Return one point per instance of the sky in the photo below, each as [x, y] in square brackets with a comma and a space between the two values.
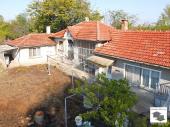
[147, 11]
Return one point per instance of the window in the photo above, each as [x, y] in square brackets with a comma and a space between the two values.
[142, 76]
[34, 52]
[109, 71]
[146, 77]
[60, 46]
[154, 79]
[133, 74]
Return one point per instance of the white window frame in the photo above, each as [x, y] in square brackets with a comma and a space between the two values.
[32, 54]
[150, 71]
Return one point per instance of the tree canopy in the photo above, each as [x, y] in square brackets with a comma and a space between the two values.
[111, 99]
[4, 29]
[163, 22]
[117, 15]
[15, 28]
[60, 13]
[19, 26]
[165, 17]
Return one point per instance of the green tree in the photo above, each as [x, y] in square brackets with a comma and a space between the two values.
[60, 13]
[162, 24]
[118, 15]
[4, 30]
[1, 18]
[110, 99]
[19, 26]
[164, 19]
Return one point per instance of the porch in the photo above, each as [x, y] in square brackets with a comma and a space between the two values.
[151, 98]
[145, 100]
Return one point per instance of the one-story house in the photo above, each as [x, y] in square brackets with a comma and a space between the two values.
[31, 49]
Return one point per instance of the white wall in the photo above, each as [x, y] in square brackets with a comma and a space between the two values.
[76, 55]
[118, 70]
[22, 57]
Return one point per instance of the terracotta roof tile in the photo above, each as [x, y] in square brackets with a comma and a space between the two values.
[32, 40]
[59, 34]
[149, 47]
[92, 30]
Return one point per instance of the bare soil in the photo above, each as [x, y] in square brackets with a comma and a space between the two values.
[25, 90]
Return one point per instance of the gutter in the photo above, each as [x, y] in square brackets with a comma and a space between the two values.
[132, 60]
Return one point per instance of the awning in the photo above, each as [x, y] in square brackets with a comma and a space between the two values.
[100, 61]
[4, 48]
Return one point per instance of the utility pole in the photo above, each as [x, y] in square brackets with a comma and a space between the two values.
[65, 108]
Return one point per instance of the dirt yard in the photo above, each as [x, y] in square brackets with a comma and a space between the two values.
[25, 90]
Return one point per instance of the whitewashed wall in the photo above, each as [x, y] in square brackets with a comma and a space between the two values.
[118, 70]
[22, 57]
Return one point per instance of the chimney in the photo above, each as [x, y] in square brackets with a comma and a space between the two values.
[87, 19]
[124, 24]
[48, 30]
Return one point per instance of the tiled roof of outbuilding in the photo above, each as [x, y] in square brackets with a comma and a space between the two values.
[32, 40]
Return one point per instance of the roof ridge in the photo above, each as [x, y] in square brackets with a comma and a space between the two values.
[146, 31]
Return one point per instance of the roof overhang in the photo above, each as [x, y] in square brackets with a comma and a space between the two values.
[59, 39]
[116, 57]
[100, 61]
[4, 48]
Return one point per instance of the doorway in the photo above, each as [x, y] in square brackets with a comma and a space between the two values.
[70, 50]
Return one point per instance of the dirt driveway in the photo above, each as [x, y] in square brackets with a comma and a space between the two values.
[24, 90]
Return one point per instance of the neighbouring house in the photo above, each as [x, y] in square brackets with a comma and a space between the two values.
[31, 49]
[78, 42]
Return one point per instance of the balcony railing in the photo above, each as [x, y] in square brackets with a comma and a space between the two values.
[162, 96]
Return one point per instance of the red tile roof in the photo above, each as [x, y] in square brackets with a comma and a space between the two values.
[31, 40]
[59, 34]
[148, 47]
[91, 30]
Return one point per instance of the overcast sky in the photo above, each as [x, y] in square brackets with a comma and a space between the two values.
[146, 10]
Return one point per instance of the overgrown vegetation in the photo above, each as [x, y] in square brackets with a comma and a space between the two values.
[111, 100]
